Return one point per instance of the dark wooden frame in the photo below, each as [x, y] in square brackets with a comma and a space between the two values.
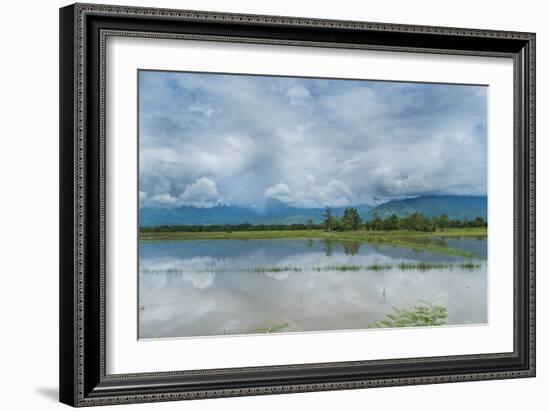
[83, 30]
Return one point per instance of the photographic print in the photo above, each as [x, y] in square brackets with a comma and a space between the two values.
[271, 204]
[279, 188]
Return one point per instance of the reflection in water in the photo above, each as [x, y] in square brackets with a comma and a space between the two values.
[200, 288]
[351, 247]
[329, 245]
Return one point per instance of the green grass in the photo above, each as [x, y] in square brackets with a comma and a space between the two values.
[423, 314]
[378, 267]
[423, 266]
[469, 266]
[275, 269]
[273, 329]
[355, 235]
[340, 267]
[416, 240]
[404, 266]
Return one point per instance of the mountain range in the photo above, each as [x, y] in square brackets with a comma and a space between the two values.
[456, 207]
[276, 212]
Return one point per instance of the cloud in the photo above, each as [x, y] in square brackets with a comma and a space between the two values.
[279, 192]
[308, 142]
[163, 200]
[203, 193]
[298, 95]
[333, 194]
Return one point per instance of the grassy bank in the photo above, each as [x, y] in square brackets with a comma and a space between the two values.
[357, 235]
[418, 240]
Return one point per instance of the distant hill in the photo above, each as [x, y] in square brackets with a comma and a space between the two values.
[456, 207]
[275, 212]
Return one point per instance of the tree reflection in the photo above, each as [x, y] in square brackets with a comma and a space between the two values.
[329, 246]
[351, 247]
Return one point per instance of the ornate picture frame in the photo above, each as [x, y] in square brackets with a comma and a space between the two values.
[84, 30]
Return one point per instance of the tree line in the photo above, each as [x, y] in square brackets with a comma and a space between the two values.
[419, 222]
[350, 220]
[309, 225]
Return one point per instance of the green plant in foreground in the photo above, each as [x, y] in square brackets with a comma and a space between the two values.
[378, 267]
[274, 269]
[423, 266]
[341, 267]
[273, 329]
[424, 314]
[469, 266]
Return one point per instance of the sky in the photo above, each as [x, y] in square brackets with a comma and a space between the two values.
[211, 139]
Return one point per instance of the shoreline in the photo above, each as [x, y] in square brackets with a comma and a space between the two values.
[319, 234]
[418, 240]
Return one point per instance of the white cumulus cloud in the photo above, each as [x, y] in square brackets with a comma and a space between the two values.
[280, 192]
[202, 193]
[334, 194]
[163, 199]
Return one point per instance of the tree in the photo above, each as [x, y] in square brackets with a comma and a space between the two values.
[442, 221]
[480, 222]
[391, 223]
[328, 219]
[351, 219]
[376, 223]
[418, 222]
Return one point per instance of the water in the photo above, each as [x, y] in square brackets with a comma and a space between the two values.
[203, 288]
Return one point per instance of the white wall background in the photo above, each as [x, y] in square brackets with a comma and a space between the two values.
[29, 204]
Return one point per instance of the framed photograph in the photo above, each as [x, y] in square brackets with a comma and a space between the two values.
[261, 204]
